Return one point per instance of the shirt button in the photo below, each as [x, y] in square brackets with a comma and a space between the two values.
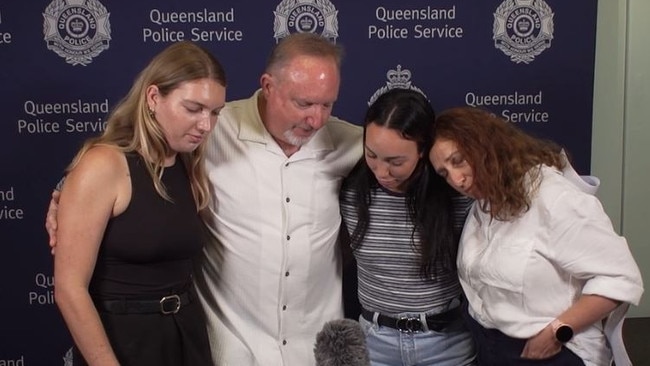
[284, 342]
[288, 237]
[286, 274]
[286, 164]
[288, 199]
[284, 307]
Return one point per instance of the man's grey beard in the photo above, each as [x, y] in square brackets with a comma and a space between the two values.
[295, 140]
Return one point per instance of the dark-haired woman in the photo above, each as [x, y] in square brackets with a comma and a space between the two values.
[403, 226]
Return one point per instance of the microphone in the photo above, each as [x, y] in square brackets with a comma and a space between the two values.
[341, 342]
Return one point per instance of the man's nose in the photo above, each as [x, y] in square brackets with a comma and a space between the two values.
[317, 117]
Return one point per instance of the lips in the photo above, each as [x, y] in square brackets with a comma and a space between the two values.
[195, 139]
[470, 192]
[303, 132]
[387, 182]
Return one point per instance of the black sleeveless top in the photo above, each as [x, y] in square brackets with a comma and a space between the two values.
[147, 251]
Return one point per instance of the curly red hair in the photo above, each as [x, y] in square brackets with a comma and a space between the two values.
[504, 159]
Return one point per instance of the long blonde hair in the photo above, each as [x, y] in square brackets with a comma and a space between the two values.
[131, 128]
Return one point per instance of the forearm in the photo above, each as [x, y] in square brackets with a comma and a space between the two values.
[85, 326]
[587, 310]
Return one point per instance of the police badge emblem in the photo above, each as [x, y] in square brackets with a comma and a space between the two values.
[76, 30]
[523, 29]
[305, 16]
[396, 79]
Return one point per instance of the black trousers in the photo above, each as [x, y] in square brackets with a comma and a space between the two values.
[157, 339]
[497, 349]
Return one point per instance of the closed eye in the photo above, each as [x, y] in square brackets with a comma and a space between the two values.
[457, 161]
[216, 112]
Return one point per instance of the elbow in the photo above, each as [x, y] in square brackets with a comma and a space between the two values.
[61, 296]
[66, 295]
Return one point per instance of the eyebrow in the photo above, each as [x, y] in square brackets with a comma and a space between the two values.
[442, 169]
[299, 99]
[203, 105]
[390, 158]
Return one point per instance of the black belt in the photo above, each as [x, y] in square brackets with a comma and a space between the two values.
[169, 304]
[412, 324]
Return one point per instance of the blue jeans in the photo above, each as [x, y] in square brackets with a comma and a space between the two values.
[390, 347]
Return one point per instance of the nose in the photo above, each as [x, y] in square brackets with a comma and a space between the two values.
[317, 117]
[381, 170]
[205, 123]
[456, 179]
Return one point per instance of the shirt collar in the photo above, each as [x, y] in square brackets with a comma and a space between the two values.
[252, 129]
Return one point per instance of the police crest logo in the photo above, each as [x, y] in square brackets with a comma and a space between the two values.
[306, 16]
[77, 30]
[396, 79]
[523, 29]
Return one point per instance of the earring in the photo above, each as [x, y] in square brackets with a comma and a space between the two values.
[152, 114]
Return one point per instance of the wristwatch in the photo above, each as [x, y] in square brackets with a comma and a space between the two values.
[563, 332]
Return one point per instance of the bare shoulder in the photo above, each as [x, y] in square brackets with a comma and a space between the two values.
[101, 163]
[101, 176]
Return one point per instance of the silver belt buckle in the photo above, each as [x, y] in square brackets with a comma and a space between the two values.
[165, 300]
[408, 324]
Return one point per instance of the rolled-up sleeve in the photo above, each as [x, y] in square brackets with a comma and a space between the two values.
[586, 245]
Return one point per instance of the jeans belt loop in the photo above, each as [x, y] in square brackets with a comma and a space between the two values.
[375, 318]
[167, 300]
[423, 321]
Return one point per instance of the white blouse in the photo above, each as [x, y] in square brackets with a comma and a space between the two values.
[519, 275]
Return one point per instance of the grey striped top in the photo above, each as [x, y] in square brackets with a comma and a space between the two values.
[389, 266]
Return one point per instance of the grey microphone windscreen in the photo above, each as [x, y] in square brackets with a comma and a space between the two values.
[341, 342]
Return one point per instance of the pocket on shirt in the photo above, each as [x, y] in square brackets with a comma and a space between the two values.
[504, 264]
[325, 203]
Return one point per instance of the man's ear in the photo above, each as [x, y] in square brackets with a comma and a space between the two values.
[266, 83]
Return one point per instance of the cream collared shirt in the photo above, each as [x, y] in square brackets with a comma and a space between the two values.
[273, 277]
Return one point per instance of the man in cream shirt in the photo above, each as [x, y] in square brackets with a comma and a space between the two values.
[272, 278]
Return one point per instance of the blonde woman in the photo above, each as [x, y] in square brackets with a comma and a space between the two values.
[128, 219]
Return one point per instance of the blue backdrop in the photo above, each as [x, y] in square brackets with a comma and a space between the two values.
[65, 63]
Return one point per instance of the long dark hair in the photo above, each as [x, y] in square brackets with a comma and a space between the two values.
[428, 196]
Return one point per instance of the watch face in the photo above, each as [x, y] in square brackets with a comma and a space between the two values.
[564, 333]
